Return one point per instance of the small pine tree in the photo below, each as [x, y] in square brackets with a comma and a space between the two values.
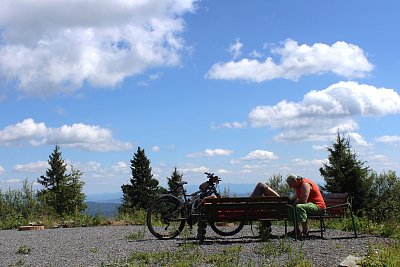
[75, 198]
[176, 176]
[143, 188]
[345, 173]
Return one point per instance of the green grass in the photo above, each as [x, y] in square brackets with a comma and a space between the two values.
[191, 254]
[25, 250]
[383, 255]
[139, 235]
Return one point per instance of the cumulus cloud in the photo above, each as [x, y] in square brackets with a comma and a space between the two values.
[322, 113]
[81, 136]
[260, 155]
[194, 169]
[33, 167]
[58, 46]
[121, 166]
[358, 140]
[389, 139]
[211, 153]
[341, 58]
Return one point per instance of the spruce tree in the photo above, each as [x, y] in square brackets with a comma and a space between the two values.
[62, 192]
[53, 182]
[345, 173]
[75, 198]
[176, 176]
[143, 188]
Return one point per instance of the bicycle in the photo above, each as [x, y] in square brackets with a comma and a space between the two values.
[168, 214]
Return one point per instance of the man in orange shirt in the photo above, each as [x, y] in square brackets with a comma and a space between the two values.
[307, 201]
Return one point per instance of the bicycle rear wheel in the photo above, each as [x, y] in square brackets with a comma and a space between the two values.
[227, 228]
[164, 218]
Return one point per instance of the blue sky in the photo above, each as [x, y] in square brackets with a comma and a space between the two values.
[242, 89]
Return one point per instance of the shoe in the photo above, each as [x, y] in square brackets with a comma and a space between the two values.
[293, 233]
[304, 235]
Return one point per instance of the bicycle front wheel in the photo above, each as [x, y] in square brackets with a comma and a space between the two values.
[227, 229]
[165, 220]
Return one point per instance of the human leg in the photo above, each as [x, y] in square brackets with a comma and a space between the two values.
[263, 189]
[302, 210]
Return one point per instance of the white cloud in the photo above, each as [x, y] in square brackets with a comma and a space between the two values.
[57, 46]
[82, 136]
[121, 166]
[194, 169]
[211, 153]
[260, 155]
[89, 166]
[314, 163]
[249, 167]
[33, 167]
[13, 181]
[341, 58]
[358, 140]
[223, 171]
[235, 49]
[231, 125]
[381, 158]
[321, 147]
[2, 170]
[155, 149]
[389, 139]
[322, 113]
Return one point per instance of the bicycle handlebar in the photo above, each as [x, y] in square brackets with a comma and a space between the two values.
[212, 178]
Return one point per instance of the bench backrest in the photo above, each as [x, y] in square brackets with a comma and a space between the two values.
[245, 208]
[335, 203]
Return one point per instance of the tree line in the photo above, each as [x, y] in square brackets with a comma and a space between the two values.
[374, 195]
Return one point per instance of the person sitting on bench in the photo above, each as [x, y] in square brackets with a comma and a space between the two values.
[308, 200]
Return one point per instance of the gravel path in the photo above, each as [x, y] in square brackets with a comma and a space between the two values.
[93, 246]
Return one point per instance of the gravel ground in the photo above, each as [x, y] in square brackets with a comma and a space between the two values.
[94, 246]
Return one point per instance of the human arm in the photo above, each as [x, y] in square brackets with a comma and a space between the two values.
[305, 193]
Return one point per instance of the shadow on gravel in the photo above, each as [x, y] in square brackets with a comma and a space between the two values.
[237, 240]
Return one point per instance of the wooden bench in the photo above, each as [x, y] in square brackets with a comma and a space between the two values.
[245, 209]
[336, 206]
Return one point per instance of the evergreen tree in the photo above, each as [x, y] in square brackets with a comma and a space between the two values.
[62, 192]
[75, 198]
[176, 176]
[53, 180]
[143, 188]
[345, 173]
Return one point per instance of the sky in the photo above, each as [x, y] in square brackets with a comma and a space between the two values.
[242, 89]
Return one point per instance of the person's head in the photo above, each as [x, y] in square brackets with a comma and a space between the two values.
[293, 180]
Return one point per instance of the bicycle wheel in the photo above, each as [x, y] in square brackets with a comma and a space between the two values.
[227, 228]
[164, 218]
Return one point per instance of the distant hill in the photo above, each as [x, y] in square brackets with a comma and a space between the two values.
[105, 197]
[107, 204]
[108, 210]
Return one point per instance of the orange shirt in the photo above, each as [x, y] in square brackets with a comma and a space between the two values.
[315, 195]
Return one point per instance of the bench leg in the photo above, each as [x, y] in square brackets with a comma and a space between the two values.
[354, 225]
